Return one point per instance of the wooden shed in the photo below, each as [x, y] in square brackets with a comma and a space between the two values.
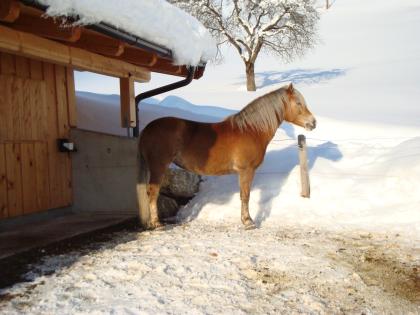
[37, 97]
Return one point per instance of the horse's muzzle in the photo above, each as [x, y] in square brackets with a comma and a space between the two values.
[311, 125]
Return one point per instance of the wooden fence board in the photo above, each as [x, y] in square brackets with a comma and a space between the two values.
[27, 91]
[29, 189]
[61, 91]
[54, 171]
[22, 66]
[4, 108]
[63, 132]
[36, 69]
[42, 175]
[4, 212]
[14, 179]
[7, 64]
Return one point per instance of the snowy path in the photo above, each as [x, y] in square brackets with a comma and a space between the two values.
[201, 268]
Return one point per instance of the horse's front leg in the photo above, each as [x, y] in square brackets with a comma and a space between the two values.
[245, 180]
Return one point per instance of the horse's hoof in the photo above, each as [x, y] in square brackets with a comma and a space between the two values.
[156, 226]
[250, 226]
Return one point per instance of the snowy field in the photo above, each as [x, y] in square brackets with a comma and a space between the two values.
[352, 248]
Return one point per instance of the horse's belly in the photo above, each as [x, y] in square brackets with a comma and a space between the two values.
[204, 166]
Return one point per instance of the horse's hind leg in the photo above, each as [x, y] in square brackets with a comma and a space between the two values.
[157, 172]
[245, 180]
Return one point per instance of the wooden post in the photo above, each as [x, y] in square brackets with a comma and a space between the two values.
[328, 4]
[128, 103]
[303, 161]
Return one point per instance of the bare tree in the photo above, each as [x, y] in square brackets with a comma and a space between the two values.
[283, 27]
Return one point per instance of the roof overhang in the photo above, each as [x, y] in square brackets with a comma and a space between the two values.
[27, 16]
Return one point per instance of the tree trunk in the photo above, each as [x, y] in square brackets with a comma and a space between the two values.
[250, 77]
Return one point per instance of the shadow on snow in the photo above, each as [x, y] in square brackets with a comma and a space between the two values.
[269, 179]
[306, 76]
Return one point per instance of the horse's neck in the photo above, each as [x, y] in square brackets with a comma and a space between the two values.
[269, 134]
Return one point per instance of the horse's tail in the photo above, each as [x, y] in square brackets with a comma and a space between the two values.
[142, 196]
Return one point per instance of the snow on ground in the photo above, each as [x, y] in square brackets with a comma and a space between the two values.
[352, 248]
[203, 268]
[154, 20]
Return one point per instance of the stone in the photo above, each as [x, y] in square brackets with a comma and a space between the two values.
[179, 183]
[167, 207]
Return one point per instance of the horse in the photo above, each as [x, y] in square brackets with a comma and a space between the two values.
[235, 145]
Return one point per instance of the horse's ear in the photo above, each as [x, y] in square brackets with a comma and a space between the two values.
[290, 88]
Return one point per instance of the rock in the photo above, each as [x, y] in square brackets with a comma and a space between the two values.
[179, 183]
[167, 206]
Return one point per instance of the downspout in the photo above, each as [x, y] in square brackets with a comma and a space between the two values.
[160, 90]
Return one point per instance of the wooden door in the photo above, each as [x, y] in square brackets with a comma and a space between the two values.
[35, 106]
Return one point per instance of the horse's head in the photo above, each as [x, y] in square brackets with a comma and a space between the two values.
[296, 110]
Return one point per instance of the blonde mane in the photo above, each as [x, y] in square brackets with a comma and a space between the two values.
[265, 113]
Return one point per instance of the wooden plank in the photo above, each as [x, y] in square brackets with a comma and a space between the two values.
[42, 175]
[4, 211]
[9, 40]
[29, 181]
[9, 10]
[54, 171]
[47, 27]
[61, 98]
[128, 103]
[63, 159]
[36, 69]
[84, 60]
[14, 179]
[7, 63]
[32, 46]
[41, 48]
[27, 121]
[5, 110]
[39, 110]
[22, 67]
[10, 108]
[71, 97]
[17, 107]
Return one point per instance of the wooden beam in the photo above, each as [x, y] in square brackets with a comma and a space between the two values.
[99, 43]
[139, 57]
[32, 46]
[128, 104]
[45, 49]
[9, 10]
[166, 66]
[47, 27]
[9, 39]
[84, 60]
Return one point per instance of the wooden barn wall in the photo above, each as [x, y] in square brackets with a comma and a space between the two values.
[36, 108]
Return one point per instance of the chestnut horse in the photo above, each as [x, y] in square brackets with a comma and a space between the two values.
[234, 145]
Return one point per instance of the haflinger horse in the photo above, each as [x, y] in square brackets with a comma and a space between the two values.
[235, 145]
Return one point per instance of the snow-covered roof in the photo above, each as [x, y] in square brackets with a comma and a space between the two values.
[154, 20]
